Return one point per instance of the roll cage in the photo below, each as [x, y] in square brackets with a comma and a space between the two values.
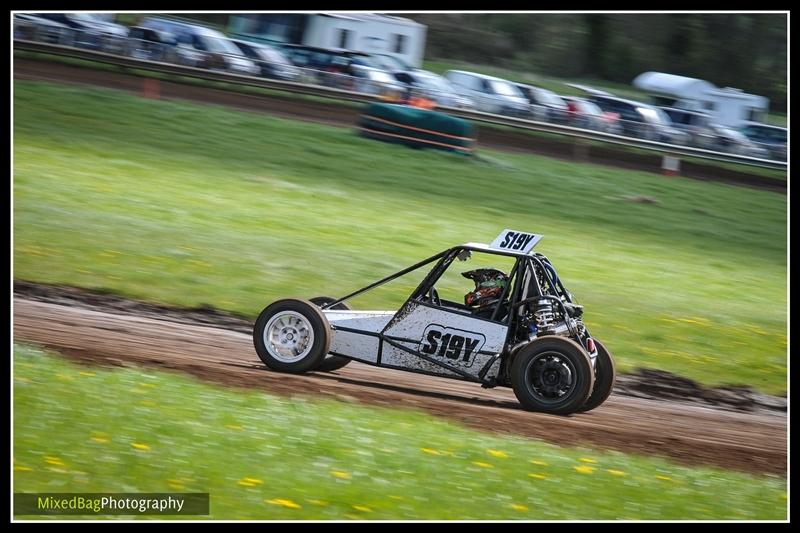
[531, 280]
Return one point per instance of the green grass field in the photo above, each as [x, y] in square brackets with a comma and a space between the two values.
[81, 429]
[189, 204]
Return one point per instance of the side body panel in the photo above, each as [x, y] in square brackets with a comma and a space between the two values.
[359, 346]
[456, 339]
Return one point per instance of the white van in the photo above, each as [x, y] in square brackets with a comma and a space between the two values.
[490, 94]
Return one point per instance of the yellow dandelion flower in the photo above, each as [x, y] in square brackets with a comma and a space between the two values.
[481, 464]
[100, 440]
[140, 446]
[284, 503]
[584, 469]
[362, 508]
[430, 451]
[243, 483]
[340, 474]
[21, 468]
[538, 462]
[519, 507]
[537, 476]
[87, 374]
[51, 460]
[252, 480]
[498, 453]
[233, 426]
[587, 460]
[618, 473]
[663, 478]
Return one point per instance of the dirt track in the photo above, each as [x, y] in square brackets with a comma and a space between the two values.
[691, 434]
[341, 115]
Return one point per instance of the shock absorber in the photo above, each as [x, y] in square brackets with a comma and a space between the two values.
[544, 315]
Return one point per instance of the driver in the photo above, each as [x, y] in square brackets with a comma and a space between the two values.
[489, 285]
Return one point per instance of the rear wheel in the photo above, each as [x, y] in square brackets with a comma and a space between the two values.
[552, 375]
[605, 375]
[292, 336]
[331, 362]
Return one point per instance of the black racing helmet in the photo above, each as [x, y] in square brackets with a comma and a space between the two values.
[489, 285]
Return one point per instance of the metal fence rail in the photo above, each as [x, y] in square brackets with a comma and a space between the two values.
[136, 54]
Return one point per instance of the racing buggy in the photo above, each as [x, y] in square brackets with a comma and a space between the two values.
[520, 329]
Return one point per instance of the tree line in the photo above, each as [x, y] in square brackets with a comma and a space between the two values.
[746, 51]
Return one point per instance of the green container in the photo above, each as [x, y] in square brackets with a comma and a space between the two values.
[418, 128]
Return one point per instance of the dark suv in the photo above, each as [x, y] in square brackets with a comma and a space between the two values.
[641, 120]
[331, 67]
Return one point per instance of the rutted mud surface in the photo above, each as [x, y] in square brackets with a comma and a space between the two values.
[644, 383]
[751, 442]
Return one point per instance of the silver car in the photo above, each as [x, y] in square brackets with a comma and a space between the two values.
[490, 94]
[435, 87]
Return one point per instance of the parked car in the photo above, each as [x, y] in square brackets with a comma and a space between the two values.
[272, 62]
[36, 28]
[490, 94]
[735, 142]
[390, 63]
[371, 80]
[150, 44]
[90, 31]
[696, 124]
[668, 132]
[588, 115]
[433, 86]
[773, 138]
[546, 103]
[203, 47]
[641, 120]
[332, 67]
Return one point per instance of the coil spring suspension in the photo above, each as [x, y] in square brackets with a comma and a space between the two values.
[544, 315]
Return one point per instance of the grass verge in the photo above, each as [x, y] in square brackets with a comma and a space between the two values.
[81, 429]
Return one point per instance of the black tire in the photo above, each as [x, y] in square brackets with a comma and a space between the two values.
[605, 375]
[331, 362]
[314, 320]
[565, 362]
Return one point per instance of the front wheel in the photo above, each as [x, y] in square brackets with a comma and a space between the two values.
[292, 336]
[552, 375]
[605, 376]
[331, 362]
